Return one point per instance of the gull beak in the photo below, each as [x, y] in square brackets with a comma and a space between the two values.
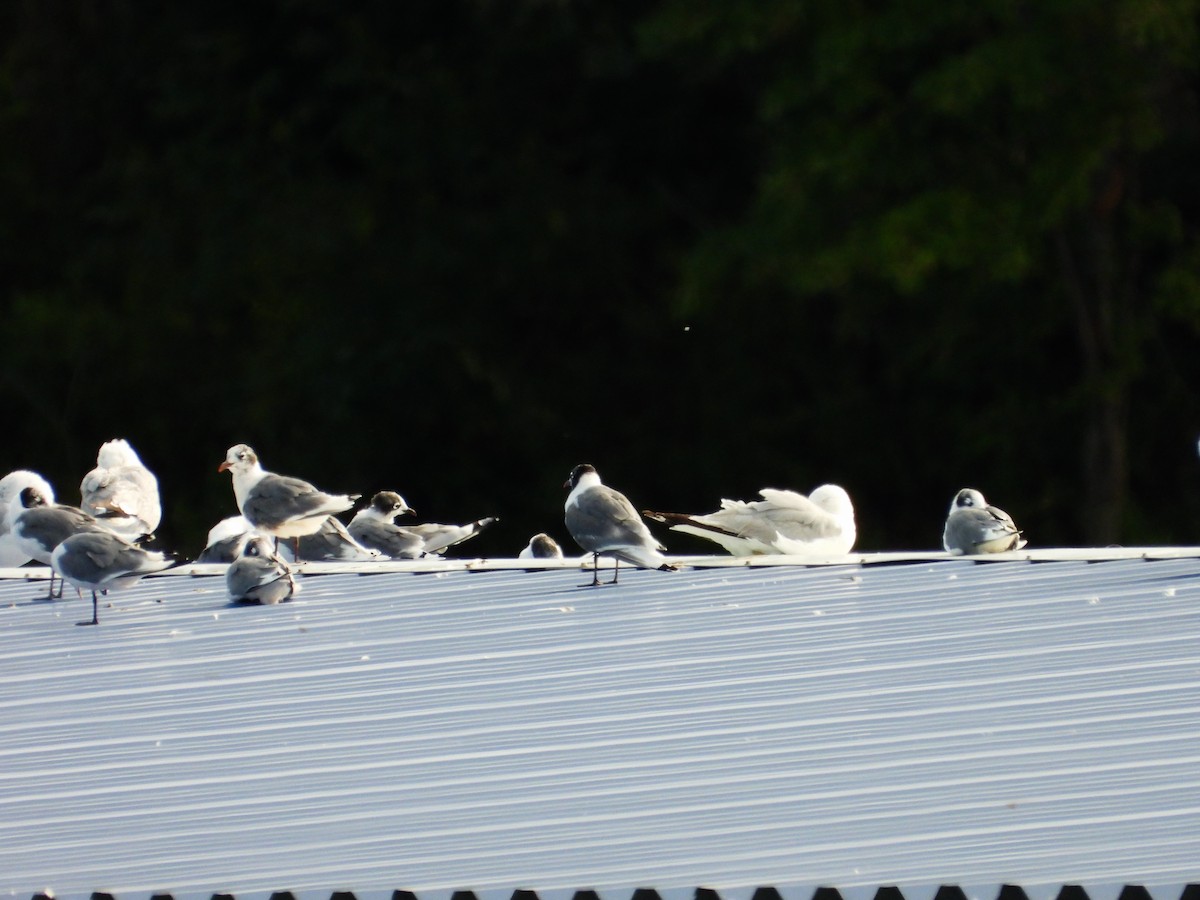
[225, 465]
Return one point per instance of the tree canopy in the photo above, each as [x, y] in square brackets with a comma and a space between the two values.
[454, 248]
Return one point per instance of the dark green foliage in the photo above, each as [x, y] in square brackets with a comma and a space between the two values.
[455, 248]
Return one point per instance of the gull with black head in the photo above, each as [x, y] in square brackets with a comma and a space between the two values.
[604, 523]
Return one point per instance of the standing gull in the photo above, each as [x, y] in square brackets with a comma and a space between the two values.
[279, 505]
[39, 526]
[11, 555]
[374, 527]
[603, 522]
[121, 493]
[102, 561]
[259, 576]
[975, 527]
[821, 524]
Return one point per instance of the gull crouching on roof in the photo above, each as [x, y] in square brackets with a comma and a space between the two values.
[604, 523]
[102, 561]
[279, 505]
[259, 575]
[975, 527]
[821, 524]
[374, 527]
[121, 493]
[541, 546]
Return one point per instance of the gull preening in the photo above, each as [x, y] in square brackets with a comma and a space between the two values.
[259, 576]
[604, 523]
[11, 554]
[121, 493]
[279, 505]
[39, 525]
[102, 561]
[374, 526]
[787, 522]
[975, 527]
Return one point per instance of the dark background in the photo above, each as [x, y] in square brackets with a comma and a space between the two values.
[454, 248]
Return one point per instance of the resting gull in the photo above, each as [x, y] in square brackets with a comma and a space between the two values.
[975, 527]
[821, 524]
[121, 493]
[259, 575]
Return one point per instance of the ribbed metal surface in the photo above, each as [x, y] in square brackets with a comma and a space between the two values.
[940, 722]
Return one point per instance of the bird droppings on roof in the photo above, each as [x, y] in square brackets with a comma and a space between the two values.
[910, 723]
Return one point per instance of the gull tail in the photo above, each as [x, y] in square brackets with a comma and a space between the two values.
[674, 519]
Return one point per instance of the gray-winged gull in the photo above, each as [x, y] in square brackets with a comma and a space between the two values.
[279, 505]
[102, 561]
[374, 526]
[259, 575]
[604, 523]
[975, 527]
[330, 543]
[121, 493]
[11, 554]
[821, 524]
[39, 526]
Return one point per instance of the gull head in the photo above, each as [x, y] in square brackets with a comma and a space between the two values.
[239, 458]
[968, 498]
[389, 504]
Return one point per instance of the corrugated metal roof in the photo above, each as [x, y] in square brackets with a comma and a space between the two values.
[911, 724]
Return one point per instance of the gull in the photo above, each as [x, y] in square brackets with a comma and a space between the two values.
[374, 527]
[259, 575]
[12, 484]
[541, 546]
[102, 561]
[225, 540]
[121, 493]
[603, 522]
[330, 542]
[974, 527]
[821, 524]
[279, 505]
[38, 526]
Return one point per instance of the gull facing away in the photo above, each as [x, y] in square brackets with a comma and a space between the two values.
[39, 526]
[279, 505]
[102, 561]
[604, 523]
[374, 527]
[541, 546]
[974, 527]
[11, 555]
[121, 493]
[821, 524]
[259, 575]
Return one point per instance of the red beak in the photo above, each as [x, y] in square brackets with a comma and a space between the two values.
[223, 466]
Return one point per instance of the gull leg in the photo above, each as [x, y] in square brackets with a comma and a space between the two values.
[595, 571]
[95, 612]
[616, 566]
